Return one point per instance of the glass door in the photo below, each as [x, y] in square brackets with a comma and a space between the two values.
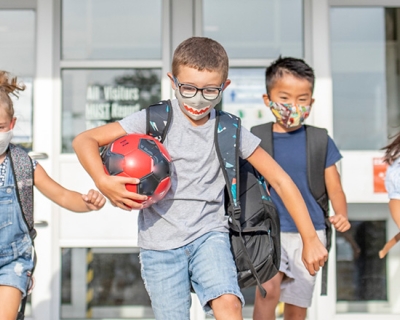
[112, 57]
[17, 56]
[365, 57]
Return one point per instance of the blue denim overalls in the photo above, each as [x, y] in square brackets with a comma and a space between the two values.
[16, 260]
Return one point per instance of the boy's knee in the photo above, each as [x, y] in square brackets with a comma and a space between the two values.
[227, 301]
[273, 288]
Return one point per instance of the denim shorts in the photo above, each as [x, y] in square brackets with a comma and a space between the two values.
[16, 273]
[206, 265]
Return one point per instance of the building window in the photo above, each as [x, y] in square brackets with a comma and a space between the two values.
[103, 283]
[95, 97]
[256, 29]
[360, 273]
[365, 71]
[111, 29]
[17, 56]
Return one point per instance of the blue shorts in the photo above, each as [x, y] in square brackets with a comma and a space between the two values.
[16, 273]
[205, 264]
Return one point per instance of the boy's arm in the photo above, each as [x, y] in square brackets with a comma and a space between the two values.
[86, 146]
[337, 198]
[314, 252]
[65, 198]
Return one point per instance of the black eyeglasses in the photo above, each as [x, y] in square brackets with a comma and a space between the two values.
[189, 91]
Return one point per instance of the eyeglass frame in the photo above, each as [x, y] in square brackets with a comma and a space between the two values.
[179, 85]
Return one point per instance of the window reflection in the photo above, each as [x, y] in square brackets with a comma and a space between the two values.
[365, 55]
[108, 29]
[112, 276]
[256, 29]
[95, 97]
[17, 56]
[243, 97]
[361, 274]
[17, 41]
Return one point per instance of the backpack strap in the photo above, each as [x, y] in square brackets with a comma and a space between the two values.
[317, 146]
[22, 168]
[264, 132]
[158, 119]
[227, 142]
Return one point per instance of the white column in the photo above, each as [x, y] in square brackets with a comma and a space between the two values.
[323, 307]
[321, 114]
[44, 297]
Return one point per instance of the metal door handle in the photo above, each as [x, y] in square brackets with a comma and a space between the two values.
[41, 223]
[38, 155]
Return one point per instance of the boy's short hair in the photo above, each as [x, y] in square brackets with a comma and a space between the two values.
[202, 54]
[288, 65]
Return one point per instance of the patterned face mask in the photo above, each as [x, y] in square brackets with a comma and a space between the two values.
[289, 115]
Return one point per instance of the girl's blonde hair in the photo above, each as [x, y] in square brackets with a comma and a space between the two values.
[8, 87]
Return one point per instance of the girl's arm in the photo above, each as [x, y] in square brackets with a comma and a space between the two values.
[65, 198]
[394, 207]
[314, 252]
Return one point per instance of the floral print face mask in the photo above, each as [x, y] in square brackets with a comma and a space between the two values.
[289, 115]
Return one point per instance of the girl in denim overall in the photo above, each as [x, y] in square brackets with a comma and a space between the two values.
[16, 205]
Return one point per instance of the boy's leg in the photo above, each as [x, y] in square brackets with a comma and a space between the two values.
[227, 306]
[293, 312]
[166, 278]
[264, 308]
[297, 292]
[214, 277]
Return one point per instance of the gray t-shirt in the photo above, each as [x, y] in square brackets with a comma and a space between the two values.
[194, 205]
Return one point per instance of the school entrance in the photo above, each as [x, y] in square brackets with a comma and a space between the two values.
[89, 62]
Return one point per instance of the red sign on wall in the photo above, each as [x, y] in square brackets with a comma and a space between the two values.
[380, 168]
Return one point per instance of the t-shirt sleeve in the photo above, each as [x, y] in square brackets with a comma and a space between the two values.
[248, 143]
[333, 155]
[392, 180]
[134, 123]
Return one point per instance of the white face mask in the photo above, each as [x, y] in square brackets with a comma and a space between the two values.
[5, 138]
[196, 107]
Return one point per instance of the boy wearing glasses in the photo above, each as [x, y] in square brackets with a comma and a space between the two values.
[184, 239]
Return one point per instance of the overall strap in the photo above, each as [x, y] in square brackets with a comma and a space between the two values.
[158, 119]
[22, 168]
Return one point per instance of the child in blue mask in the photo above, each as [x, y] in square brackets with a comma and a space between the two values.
[290, 83]
[18, 175]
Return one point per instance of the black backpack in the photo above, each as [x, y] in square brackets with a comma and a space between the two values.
[317, 145]
[253, 219]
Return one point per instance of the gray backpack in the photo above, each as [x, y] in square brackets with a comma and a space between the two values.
[253, 220]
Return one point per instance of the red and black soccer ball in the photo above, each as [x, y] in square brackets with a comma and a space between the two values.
[143, 157]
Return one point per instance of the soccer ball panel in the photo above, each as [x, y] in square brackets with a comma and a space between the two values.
[143, 157]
